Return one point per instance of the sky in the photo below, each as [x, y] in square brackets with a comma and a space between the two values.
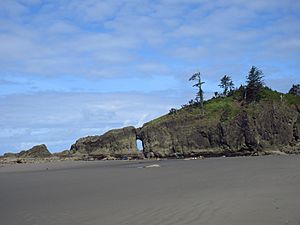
[72, 68]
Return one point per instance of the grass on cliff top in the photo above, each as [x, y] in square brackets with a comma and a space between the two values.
[275, 96]
[224, 108]
[214, 109]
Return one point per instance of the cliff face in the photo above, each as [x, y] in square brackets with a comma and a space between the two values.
[260, 128]
[118, 142]
[225, 128]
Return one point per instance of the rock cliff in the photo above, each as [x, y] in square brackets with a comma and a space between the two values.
[260, 128]
[117, 143]
[227, 127]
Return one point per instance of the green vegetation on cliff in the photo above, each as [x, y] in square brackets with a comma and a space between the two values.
[229, 126]
[226, 108]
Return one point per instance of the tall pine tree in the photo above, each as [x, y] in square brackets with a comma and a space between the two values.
[254, 85]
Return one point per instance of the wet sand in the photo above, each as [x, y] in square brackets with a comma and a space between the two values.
[216, 191]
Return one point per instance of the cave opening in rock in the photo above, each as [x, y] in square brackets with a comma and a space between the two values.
[140, 145]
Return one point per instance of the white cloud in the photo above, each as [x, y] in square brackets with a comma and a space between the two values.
[92, 38]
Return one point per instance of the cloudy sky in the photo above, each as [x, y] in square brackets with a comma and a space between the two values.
[71, 68]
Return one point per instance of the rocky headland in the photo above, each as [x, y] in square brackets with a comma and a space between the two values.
[227, 126]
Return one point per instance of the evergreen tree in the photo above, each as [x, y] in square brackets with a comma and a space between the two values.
[199, 96]
[226, 83]
[254, 85]
[295, 90]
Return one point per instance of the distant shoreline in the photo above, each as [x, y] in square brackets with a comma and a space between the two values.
[16, 160]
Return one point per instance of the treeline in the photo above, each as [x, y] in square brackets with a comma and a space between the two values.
[252, 91]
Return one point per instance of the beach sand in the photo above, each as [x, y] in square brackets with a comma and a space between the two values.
[215, 191]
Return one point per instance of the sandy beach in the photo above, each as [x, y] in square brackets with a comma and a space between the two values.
[216, 191]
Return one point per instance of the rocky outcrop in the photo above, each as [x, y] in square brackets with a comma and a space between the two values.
[116, 143]
[234, 129]
[38, 151]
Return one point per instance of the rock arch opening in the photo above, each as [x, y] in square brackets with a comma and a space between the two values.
[139, 145]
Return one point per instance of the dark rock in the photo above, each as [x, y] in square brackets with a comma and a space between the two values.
[117, 143]
[256, 128]
[38, 151]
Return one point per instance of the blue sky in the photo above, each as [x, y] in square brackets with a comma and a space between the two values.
[72, 68]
